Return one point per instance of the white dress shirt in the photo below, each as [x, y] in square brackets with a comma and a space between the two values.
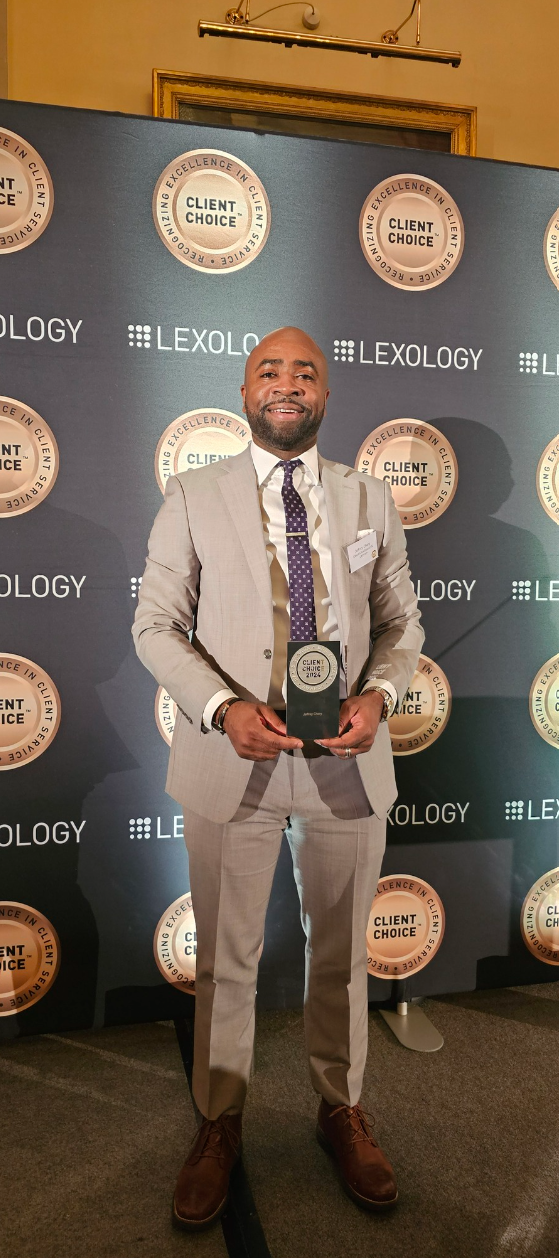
[307, 482]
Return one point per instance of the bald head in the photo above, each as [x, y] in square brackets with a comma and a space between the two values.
[288, 341]
[285, 391]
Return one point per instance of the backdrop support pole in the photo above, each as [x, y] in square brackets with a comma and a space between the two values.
[410, 1024]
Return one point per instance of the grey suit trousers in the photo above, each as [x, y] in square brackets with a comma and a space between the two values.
[337, 844]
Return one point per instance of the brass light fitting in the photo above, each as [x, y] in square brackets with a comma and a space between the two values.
[238, 25]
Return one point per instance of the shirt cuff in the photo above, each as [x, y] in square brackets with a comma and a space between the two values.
[219, 697]
[375, 684]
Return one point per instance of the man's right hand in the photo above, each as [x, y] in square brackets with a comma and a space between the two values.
[256, 731]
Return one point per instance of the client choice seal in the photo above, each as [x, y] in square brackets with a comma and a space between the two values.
[423, 713]
[547, 479]
[551, 248]
[418, 463]
[411, 232]
[313, 668]
[174, 944]
[539, 919]
[28, 458]
[26, 193]
[196, 439]
[29, 711]
[165, 714]
[211, 211]
[544, 701]
[29, 956]
[405, 928]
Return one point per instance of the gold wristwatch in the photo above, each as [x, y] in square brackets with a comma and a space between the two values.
[387, 702]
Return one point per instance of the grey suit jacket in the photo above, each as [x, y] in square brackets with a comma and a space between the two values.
[207, 572]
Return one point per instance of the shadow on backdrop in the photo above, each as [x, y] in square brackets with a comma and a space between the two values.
[491, 649]
[80, 642]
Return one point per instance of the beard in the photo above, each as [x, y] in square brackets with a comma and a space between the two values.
[282, 436]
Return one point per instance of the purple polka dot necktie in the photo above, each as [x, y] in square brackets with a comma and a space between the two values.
[299, 562]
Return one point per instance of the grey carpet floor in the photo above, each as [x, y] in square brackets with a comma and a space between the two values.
[96, 1125]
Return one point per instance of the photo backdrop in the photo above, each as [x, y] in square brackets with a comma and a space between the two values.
[140, 262]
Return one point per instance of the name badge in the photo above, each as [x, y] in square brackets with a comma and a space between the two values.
[362, 551]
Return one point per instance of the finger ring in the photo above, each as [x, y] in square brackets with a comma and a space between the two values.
[348, 753]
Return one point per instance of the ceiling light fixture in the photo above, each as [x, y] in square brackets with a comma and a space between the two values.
[238, 25]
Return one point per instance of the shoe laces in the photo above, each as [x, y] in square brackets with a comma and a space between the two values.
[212, 1136]
[360, 1122]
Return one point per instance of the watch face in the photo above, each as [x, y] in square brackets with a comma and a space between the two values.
[387, 699]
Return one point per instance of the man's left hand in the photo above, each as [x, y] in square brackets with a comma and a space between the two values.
[359, 721]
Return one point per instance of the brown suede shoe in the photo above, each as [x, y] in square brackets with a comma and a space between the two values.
[366, 1175]
[203, 1183]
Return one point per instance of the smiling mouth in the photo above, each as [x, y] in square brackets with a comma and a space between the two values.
[284, 410]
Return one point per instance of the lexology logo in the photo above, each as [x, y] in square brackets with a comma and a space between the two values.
[58, 832]
[12, 585]
[169, 338]
[156, 827]
[542, 590]
[427, 814]
[404, 354]
[437, 591]
[539, 363]
[528, 361]
[532, 809]
[344, 351]
[36, 328]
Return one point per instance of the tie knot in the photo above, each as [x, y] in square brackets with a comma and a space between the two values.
[288, 467]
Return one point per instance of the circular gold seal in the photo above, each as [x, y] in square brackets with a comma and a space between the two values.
[313, 668]
[544, 701]
[539, 919]
[418, 463]
[405, 928]
[165, 714]
[28, 458]
[551, 248]
[29, 957]
[547, 479]
[211, 211]
[26, 193]
[196, 439]
[411, 232]
[423, 712]
[174, 944]
[29, 711]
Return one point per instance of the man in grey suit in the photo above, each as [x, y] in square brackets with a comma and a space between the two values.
[244, 554]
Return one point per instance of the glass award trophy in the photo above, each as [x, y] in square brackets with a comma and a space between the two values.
[313, 689]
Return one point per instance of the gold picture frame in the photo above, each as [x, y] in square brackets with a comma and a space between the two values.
[284, 109]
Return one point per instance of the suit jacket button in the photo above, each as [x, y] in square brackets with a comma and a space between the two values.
[267, 654]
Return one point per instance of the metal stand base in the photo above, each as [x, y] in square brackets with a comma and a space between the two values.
[412, 1027]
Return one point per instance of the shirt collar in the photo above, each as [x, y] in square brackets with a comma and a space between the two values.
[264, 462]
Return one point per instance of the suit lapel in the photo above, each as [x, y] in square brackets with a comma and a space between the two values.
[341, 494]
[239, 489]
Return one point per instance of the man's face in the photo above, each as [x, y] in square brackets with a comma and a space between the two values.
[285, 392]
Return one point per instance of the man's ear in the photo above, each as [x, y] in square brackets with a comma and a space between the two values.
[243, 395]
[326, 396]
